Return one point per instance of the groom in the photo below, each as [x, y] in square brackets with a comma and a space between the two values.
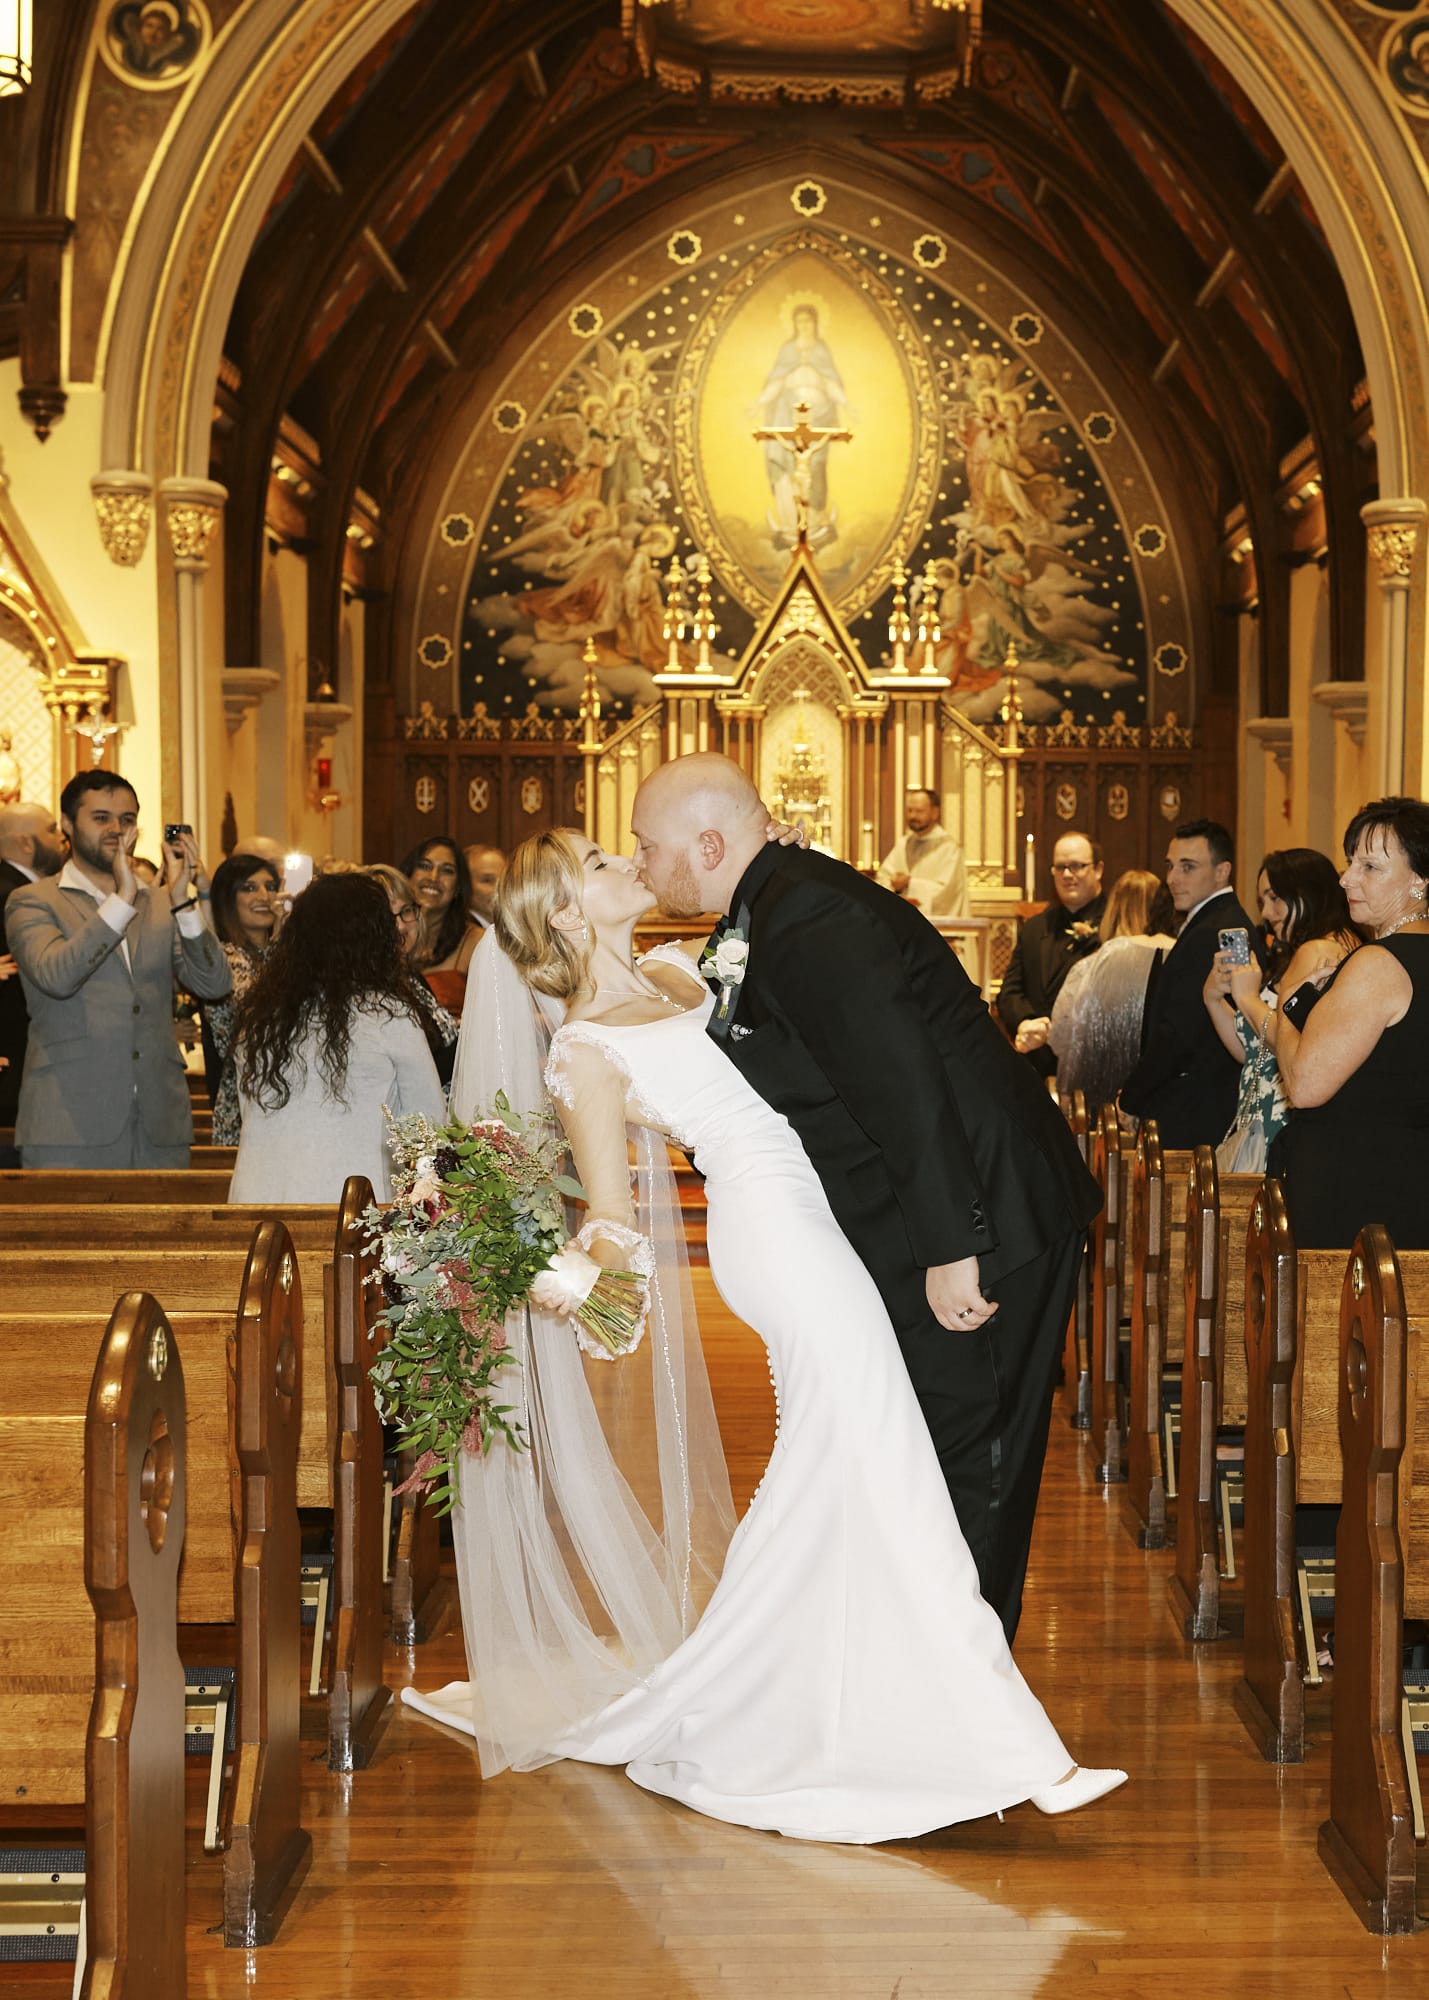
[946, 1163]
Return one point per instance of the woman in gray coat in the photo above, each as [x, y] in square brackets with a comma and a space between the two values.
[328, 1037]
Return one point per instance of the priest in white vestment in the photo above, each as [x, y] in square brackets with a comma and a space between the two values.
[925, 865]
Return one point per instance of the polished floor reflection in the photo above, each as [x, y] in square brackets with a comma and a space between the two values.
[1199, 1879]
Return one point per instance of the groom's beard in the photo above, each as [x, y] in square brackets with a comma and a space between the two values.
[681, 896]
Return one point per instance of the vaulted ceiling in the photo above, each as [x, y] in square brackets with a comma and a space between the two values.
[482, 151]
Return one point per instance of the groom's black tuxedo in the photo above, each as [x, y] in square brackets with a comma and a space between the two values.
[934, 1141]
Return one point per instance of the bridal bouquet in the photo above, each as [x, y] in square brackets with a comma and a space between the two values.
[476, 1228]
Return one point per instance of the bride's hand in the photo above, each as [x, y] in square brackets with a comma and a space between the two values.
[955, 1296]
[796, 835]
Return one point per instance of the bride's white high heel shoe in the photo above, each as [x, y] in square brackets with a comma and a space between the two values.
[1078, 1790]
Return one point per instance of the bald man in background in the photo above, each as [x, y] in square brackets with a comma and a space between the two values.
[31, 847]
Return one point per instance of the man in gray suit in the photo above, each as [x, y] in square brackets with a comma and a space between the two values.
[99, 957]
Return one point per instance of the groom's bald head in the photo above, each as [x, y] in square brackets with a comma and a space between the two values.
[698, 823]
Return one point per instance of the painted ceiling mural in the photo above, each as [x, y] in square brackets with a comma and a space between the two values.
[980, 455]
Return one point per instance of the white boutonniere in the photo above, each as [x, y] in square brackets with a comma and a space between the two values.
[726, 961]
[1081, 931]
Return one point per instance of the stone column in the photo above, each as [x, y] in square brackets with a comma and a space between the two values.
[1393, 534]
[193, 509]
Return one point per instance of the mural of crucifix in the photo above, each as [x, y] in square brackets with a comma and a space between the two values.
[802, 440]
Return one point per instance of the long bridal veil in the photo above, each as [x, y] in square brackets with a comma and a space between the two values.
[584, 1561]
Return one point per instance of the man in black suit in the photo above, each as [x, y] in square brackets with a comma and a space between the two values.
[1185, 1078]
[29, 848]
[1049, 945]
[944, 1160]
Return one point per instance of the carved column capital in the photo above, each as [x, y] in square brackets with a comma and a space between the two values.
[1392, 530]
[193, 509]
[1276, 737]
[124, 508]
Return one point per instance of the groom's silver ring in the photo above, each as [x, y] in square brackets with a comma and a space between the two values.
[966, 1313]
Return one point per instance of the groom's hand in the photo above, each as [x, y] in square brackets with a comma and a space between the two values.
[955, 1296]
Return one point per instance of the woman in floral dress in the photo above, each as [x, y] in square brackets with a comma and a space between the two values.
[1308, 918]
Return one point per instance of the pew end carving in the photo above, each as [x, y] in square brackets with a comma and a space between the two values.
[1076, 1364]
[359, 1700]
[1368, 1842]
[1108, 1289]
[268, 1850]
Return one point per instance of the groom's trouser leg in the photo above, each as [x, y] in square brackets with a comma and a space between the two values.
[987, 1399]
[1034, 1304]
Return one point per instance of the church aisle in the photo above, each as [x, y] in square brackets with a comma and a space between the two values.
[1201, 1876]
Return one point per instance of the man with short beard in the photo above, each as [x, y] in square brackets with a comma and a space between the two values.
[99, 957]
[29, 848]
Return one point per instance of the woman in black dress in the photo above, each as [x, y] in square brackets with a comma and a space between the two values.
[1356, 1149]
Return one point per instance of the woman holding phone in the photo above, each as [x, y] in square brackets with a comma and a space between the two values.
[1356, 1149]
[1308, 923]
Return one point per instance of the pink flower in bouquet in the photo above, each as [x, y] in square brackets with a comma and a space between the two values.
[420, 1476]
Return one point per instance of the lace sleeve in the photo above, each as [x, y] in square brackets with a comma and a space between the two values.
[588, 1088]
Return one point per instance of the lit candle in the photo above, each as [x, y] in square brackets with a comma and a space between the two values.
[1029, 869]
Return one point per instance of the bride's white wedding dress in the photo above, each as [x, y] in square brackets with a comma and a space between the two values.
[846, 1682]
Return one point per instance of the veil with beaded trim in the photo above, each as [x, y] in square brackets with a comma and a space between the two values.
[586, 1560]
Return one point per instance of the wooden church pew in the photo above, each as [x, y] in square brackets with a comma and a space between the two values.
[92, 1487]
[1076, 1365]
[1212, 1380]
[1158, 1278]
[1110, 1159]
[1368, 1842]
[241, 1557]
[1294, 1309]
[340, 1443]
[68, 1187]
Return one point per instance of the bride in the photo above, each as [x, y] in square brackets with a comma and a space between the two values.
[845, 1680]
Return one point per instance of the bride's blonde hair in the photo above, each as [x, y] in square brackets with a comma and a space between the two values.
[543, 876]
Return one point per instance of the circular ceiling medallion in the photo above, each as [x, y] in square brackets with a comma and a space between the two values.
[509, 417]
[929, 252]
[684, 247]
[809, 198]
[435, 650]
[1171, 658]
[1027, 328]
[457, 530]
[585, 321]
[1149, 539]
[1100, 427]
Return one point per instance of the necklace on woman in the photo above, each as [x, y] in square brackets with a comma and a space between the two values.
[1409, 917]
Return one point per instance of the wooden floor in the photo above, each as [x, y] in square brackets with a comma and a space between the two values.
[1200, 1880]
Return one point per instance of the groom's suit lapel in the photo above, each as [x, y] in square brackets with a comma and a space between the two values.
[741, 919]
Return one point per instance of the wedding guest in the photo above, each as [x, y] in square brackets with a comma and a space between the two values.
[100, 956]
[1303, 909]
[1049, 945]
[442, 1028]
[30, 848]
[1185, 1077]
[486, 866]
[329, 1037]
[1356, 1147]
[438, 873]
[245, 911]
[1095, 1031]
[925, 865]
